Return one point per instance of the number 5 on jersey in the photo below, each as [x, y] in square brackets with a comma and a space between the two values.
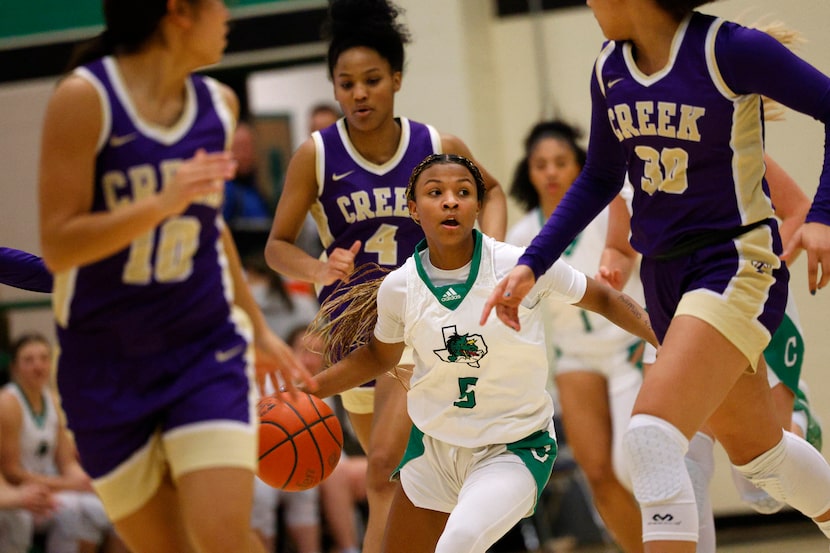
[467, 392]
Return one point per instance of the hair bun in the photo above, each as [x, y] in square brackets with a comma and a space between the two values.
[351, 16]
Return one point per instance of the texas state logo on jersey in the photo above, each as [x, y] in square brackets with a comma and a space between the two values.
[461, 348]
[463, 370]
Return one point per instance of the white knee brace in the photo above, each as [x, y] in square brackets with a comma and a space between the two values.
[755, 497]
[654, 451]
[792, 472]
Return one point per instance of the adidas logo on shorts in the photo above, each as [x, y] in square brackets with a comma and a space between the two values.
[450, 295]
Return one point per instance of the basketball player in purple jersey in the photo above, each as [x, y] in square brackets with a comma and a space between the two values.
[677, 103]
[24, 270]
[351, 176]
[154, 319]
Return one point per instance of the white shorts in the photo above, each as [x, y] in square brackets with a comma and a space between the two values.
[302, 508]
[80, 516]
[435, 474]
[16, 529]
[610, 364]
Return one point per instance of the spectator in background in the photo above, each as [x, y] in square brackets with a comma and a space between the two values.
[246, 210]
[18, 505]
[345, 489]
[322, 115]
[37, 449]
[301, 510]
[285, 303]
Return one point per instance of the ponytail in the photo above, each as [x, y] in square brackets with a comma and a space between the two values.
[129, 24]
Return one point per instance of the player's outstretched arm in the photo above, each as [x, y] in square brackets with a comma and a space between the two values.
[360, 366]
[273, 355]
[618, 308]
[508, 294]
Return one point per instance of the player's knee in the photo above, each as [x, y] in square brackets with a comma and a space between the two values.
[654, 450]
[792, 472]
[380, 466]
[459, 538]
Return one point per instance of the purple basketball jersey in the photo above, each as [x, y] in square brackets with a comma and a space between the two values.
[170, 285]
[686, 162]
[360, 200]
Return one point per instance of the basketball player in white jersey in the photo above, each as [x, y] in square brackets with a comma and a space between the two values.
[482, 444]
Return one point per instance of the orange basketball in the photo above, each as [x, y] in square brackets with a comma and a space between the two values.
[300, 440]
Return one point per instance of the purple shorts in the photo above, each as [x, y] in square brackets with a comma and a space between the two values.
[738, 286]
[114, 405]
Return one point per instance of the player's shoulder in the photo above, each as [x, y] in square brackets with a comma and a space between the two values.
[396, 279]
[76, 88]
[523, 230]
[10, 407]
[392, 290]
[504, 255]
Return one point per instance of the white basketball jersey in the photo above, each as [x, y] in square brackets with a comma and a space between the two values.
[577, 331]
[472, 385]
[38, 434]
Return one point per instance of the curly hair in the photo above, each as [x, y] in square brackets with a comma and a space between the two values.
[369, 23]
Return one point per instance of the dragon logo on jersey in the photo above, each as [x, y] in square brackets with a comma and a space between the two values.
[461, 348]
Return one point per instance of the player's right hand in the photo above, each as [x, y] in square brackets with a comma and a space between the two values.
[202, 175]
[507, 295]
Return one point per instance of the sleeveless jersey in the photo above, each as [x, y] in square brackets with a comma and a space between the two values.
[170, 285]
[472, 385]
[360, 200]
[694, 149]
[38, 434]
[574, 330]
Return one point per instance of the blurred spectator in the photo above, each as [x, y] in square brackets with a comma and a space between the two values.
[37, 449]
[344, 490]
[246, 211]
[286, 304]
[322, 115]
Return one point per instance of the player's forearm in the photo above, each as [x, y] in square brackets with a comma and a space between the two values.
[493, 216]
[292, 261]
[618, 308]
[91, 237]
[629, 315]
[359, 367]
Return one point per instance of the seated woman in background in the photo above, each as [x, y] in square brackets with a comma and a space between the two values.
[37, 448]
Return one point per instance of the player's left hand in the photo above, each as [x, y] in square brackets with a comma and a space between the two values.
[814, 238]
[276, 362]
[507, 296]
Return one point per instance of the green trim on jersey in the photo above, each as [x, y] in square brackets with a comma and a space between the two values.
[538, 453]
[785, 354]
[39, 418]
[451, 295]
[414, 449]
